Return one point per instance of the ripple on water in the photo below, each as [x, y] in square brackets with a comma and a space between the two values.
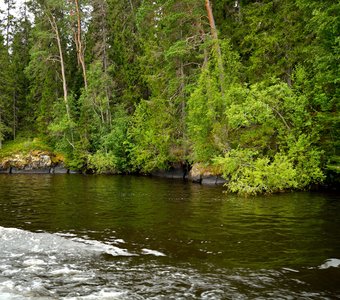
[48, 266]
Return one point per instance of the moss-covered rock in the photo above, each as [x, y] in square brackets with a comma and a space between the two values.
[206, 174]
[28, 155]
[33, 160]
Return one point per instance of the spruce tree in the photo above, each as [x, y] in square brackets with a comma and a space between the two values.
[5, 91]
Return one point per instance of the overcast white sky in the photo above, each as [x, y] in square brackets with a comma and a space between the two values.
[18, 3]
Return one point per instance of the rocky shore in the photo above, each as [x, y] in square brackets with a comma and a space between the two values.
[34, 162]
[45, 162]
[195, 173]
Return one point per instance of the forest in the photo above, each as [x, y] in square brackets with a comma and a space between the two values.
[247, 89]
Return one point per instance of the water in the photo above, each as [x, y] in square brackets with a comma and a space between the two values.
[115, 237]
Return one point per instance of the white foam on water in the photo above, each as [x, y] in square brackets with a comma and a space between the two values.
[40, 265]
[105, 294]
[6, 289]
[119, 241]
[63, 271]
[290, 270]
[33, 262]
[17, 241]
[152, 252]
[9, 296]
[37, 265]
[330, 263]
[66, 234]
[9, 273]
[16, 255]
[97, 246]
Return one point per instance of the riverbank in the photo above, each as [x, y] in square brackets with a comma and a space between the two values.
[47, 162]
[35, 157]
[30, 156]
[33, 162]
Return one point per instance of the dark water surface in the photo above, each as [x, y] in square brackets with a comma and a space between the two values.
[116, 237]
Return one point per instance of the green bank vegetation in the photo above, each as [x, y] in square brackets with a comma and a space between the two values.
[23, 146]
[249, 88]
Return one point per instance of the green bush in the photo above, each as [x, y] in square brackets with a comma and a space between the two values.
[249, 174]
[102, 162]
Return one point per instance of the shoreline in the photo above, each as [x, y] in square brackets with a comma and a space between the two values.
[46, 162]
[177, 174]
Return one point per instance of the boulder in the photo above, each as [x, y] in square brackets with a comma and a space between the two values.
[195, 174]
[202, 174]
[34, 162]
[59, 169]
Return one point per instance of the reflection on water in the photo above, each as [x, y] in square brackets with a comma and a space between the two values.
[115, 237]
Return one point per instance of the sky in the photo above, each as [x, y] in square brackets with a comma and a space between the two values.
[18, 3]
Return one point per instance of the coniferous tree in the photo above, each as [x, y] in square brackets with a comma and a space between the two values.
[9, 21]
[5, 91]
[318, 76]
[171, 36]
[19, 61]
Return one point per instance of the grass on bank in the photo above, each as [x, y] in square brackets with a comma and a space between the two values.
[23, 146]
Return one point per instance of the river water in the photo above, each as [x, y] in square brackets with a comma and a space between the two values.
[116, 237]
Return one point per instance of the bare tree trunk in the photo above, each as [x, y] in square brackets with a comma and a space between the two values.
[211, 19]
[62, 66]
[76, 43]
[106, 63]
[216, 43]
[79, 45]
[8, 27]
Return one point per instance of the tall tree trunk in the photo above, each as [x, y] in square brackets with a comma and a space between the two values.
[79, 44]
[216, 43]
[62, 67]
[10, 6]
[106, 63]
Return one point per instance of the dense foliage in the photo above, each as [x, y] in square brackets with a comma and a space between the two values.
[250, 88]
